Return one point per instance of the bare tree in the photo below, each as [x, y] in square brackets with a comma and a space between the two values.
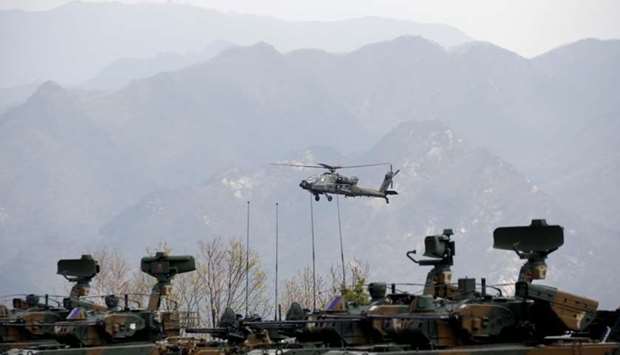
[217, 283]
[212, 256]
[223, 272]
[356, 270]
[119, 277]
[140, 288]
[189, 292]
[299, 288]
[115, 273]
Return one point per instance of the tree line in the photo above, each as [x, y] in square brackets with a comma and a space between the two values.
[219, 282]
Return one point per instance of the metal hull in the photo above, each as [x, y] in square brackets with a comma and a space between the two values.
[507, 349]
[127, 349]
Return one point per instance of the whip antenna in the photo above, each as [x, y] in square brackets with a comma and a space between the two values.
[344, 277]
[313, 256]
[276, 283]
[247, 261]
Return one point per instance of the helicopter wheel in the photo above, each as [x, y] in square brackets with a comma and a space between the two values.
[329, 198]
[316, 197]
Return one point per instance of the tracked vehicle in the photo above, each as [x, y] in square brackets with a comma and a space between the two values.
[114, 329]
[32, 319]
[461, 318]
[446, 318]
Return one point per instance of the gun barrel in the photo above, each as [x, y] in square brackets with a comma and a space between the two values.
[205, 330]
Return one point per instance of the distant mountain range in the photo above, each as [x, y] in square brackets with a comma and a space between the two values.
[122, 71]
[175, 156]
[73, 42]
[14, 96]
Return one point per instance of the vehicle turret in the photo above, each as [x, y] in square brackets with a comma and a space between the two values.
[532, 243]
[79, 271]
[441, 250]
[164, 268]
[129, 325]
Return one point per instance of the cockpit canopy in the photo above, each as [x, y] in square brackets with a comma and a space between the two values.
[347, 180]
[331, 178]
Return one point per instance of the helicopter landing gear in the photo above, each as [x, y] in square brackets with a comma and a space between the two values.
[387, 201]
[329, 198]
[316, 197]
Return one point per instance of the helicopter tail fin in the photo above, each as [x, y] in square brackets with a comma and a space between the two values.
[388, 182]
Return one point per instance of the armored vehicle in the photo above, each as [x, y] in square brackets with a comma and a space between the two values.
[118, 330]
[446, 318]
[32, 319]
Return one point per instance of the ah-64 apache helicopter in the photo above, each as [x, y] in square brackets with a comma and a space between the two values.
[330, 182]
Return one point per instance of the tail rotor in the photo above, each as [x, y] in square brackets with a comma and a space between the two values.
[388, 182]
[392, 173]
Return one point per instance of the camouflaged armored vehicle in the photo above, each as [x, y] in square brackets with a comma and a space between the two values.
[447, 318]
[461, 318]
[31, 320]
[114, 329]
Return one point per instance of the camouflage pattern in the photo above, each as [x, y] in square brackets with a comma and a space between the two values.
[85, 325]
[556, 349]
[484, 320]
[83, 329]
[444, 319]
[31, 322]
[575, 312]
[171, 323]
[28, 322]
[129, 349]
[4, 312]
[451, 317]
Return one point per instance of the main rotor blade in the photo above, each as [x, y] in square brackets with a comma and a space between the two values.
[329, 167]
[361, 166]
[298, 165]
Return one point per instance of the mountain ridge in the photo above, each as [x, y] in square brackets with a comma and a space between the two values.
[199, 140]
[72, 34]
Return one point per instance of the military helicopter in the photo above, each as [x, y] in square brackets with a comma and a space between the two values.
[330, 182]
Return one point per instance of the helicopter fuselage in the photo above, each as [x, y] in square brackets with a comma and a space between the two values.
[334, 183]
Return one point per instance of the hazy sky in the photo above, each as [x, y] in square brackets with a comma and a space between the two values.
[527, 27]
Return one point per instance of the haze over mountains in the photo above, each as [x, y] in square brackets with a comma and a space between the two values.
[122, 71]
[483, 136]
[71, 43]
